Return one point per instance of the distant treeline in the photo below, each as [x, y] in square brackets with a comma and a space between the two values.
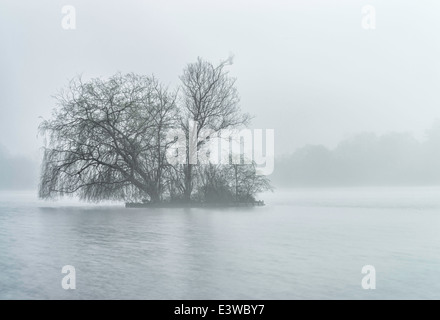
[365, 159]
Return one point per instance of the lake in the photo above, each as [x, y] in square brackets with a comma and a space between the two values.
[304, 244]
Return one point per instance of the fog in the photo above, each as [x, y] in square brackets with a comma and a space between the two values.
[305, 68]
[17, 172]
[365, 159]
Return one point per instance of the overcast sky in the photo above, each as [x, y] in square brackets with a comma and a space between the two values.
[305, 68]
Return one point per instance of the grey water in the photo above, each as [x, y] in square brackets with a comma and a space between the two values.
[304, 244]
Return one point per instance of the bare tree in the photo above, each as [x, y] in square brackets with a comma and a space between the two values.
[223, 183]
[107, 139]
[215, 183]
[211, 100]
[248, 183]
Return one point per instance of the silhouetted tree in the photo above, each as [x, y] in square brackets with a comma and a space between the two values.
[210, 99]
[107, 139]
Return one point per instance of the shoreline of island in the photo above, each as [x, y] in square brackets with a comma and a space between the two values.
[257, 203]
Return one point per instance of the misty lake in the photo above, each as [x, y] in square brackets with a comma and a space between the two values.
[305, 243]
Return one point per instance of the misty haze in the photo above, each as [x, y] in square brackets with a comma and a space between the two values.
[131, 154]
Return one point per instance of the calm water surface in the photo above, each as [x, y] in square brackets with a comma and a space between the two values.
[306, 243]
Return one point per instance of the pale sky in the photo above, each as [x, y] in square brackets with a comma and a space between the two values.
[305, 68]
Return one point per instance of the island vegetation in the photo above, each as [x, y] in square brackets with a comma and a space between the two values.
[108, 139]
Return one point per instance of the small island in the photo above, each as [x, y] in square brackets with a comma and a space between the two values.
[257, 203]
[130, 138]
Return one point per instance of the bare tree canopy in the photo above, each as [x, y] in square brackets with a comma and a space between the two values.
[106, 139]
[211, 100]
[210, 97]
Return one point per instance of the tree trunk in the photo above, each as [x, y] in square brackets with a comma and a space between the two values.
[188, 183]
[236, 183]
[154, 197]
